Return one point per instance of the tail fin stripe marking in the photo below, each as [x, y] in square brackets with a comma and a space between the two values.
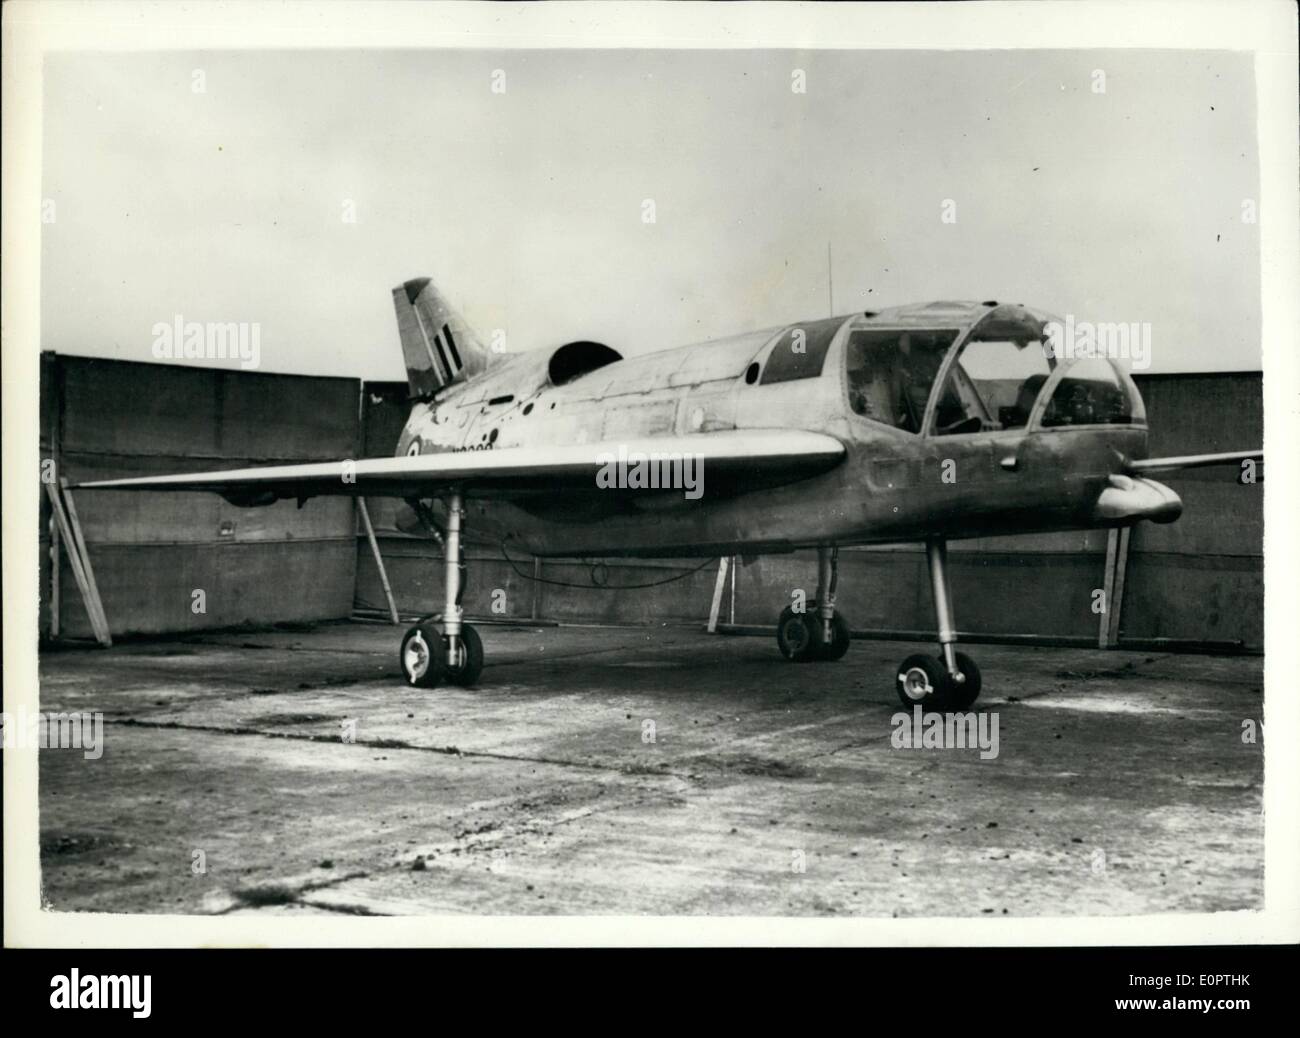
[455, 353]
[439, 361]
[442, 352]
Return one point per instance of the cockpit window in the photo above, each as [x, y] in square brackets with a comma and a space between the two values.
[992, 386]
[891, 373]
[1090, 393]
[801, 351]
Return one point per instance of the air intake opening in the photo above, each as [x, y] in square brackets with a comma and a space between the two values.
[575, 359]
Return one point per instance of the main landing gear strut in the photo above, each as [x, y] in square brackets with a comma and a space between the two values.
[949, 681]
[816, 632]
[455, 653]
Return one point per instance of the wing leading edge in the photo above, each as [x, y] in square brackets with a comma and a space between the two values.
[727, 460]
[1193, 461]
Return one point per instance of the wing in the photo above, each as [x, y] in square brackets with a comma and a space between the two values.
[1193, 461]
[727, 461]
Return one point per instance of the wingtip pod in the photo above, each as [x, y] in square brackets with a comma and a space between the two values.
[1128, 499]
[438, 346]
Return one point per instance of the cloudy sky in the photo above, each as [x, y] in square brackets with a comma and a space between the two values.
[229, 204]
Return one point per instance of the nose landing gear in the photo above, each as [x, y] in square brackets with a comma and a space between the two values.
[951, 680]
[454, 653]
[948, 681]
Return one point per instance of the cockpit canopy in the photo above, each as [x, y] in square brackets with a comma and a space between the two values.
[989, 380]
[891, 373]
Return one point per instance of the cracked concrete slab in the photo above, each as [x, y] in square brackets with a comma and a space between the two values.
[645, 771]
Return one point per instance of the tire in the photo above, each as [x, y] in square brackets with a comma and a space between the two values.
[963, 696]
[471, 664]
[795, 636]
[840, 638]
[922, 681]
[421, 656]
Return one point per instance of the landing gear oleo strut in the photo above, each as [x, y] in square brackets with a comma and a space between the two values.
[455, 653]
[818, 633]
[950, 681]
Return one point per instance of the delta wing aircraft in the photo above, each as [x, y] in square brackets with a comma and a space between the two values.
[922, 423]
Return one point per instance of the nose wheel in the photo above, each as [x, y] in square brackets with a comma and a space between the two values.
[951, 680]
[924, 681]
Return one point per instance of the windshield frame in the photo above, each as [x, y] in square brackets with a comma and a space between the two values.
[998, 324]
[1062, 369]
[952, 368]
[999, 319]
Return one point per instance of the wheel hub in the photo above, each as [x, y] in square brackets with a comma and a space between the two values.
[916, 684]
[416, 658]
[796, 634]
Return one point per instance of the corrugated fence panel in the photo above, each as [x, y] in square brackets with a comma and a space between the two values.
[152, 551]
[150, 589]
[298, 418]
[499, 588]
[128, 409]
[1043, 593]
[1202, 577]
[136, 517]
[384, 407]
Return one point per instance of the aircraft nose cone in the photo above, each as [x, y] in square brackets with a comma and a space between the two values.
[1130, 497]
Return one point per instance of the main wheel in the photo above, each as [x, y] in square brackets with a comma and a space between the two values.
[923, 682]
[962, 696]
[839, 643]
[470, 657]
[421, 656]
[795, 635]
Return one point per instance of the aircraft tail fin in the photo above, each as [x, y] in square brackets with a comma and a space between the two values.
[437, 344]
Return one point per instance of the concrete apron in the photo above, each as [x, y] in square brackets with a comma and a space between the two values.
[1121, 785]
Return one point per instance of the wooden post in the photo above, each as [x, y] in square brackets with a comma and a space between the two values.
[537, 587]
[79, 542]
[1108, 590]
[731, 615]
[718, 587]
[1121, 569]
[379, 561]
[98, 623]
[56, 457]
[55, 563]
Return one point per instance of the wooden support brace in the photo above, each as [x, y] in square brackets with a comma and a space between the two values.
[79, 562]
[80, 541]
[379, 560]
[56, 562]
[731, 615]
[724, 564]
[1116, 604]
[1108, 590]
[537, 587]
